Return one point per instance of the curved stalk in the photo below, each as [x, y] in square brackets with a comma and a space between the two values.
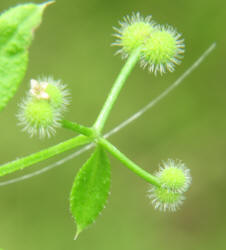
[114, 93]
[128, 163]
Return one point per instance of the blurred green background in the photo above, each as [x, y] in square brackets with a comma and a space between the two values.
[73, 44]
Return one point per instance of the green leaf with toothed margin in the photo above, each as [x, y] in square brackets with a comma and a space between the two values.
[17, 26]
[90, 189]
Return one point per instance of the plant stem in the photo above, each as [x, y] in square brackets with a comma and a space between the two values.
[128, 163]
[114, 93]
[43, 155]
[77, 128]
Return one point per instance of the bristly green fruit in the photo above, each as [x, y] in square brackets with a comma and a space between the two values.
[42, 110]
[165, 200]
[175, 176]
[175, 179]
[163, 50]
[17, 27]
[133, 33]
[38, 117]
[161, 46]
[57, 97]
[53, 90]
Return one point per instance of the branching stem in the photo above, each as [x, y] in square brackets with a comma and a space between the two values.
[78, 128]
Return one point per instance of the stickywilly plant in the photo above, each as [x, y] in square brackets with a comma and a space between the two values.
[41, 112]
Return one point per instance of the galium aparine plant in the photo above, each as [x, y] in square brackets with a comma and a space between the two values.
[140, 40]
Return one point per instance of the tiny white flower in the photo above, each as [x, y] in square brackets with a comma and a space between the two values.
[38, 90]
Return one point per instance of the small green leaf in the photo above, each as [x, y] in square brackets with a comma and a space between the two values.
[17, 26]
[90, 189]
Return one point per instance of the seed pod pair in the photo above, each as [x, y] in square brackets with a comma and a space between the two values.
[42, 110]
[161, 46]
[175, 179]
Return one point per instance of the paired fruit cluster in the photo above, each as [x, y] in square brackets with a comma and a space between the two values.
[175, 179]
[161, 46]
[42, 109]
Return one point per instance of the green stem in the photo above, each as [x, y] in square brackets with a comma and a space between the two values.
[128, 163]
[43, 155]
[77, 128]
[117, 86]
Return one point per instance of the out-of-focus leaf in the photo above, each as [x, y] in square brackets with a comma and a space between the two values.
[17, 26]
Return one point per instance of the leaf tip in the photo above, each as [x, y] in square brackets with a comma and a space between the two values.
[46, 4]
[77, 234]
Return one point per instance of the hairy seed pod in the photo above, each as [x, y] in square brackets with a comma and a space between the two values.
[38, 117]
[42, 110]
[161, 46]
[165, 200]
[162, 50]
[175, 179]
[174, 176]
[133, 33]
[52, 90]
